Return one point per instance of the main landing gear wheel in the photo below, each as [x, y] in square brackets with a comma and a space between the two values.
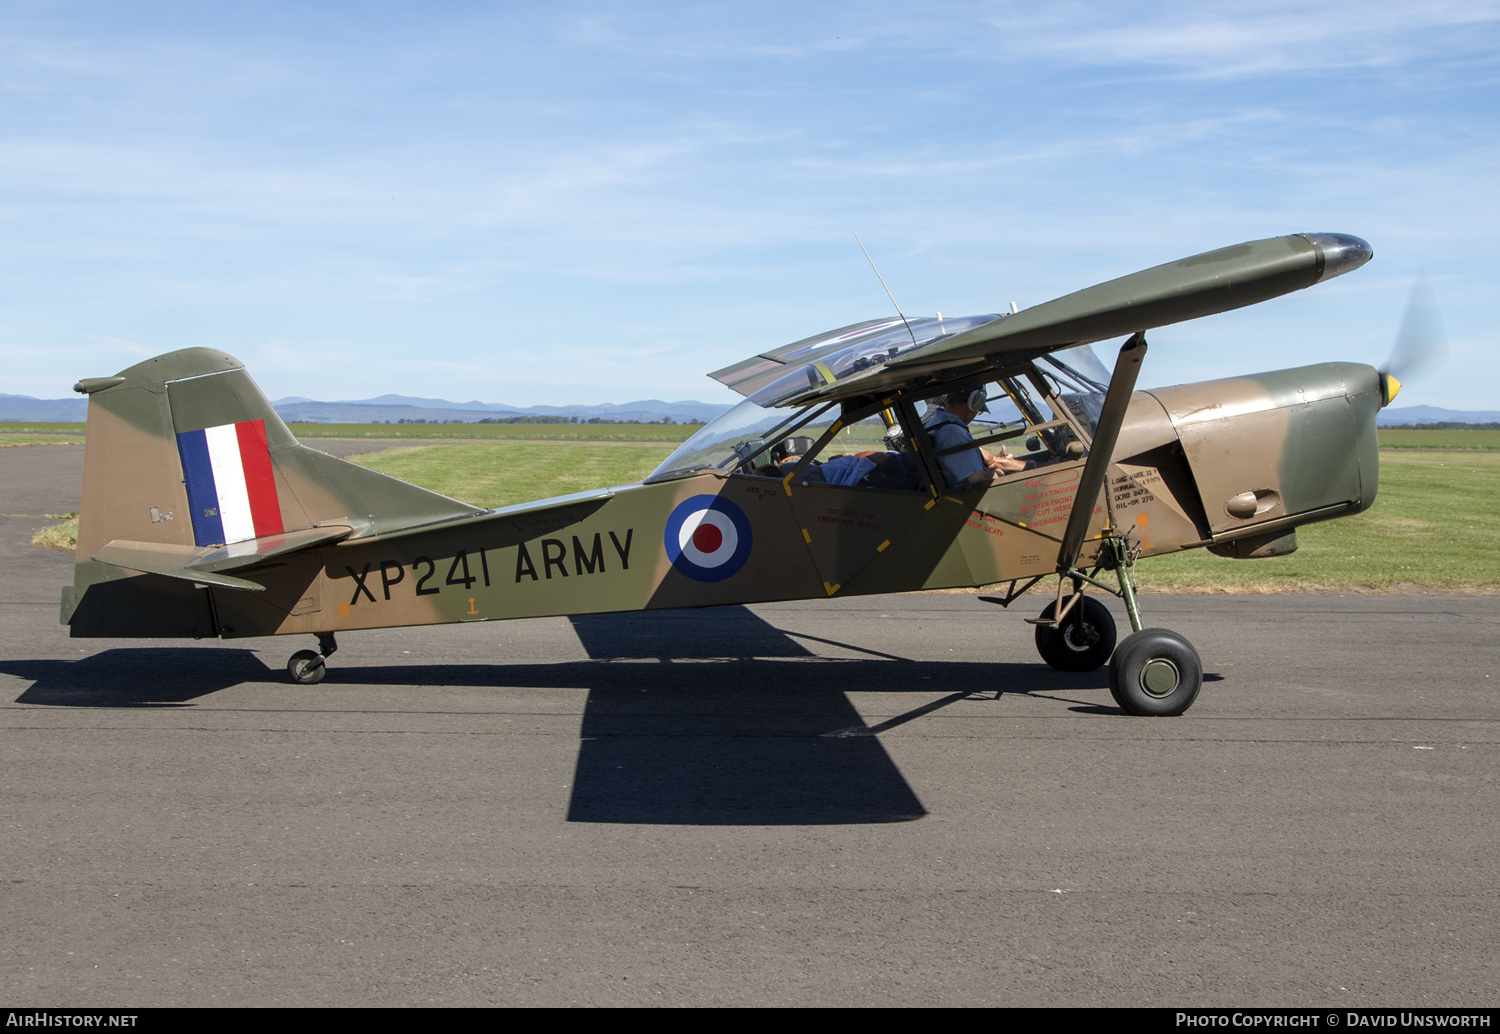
[1155, 673]
[1082, 642]
[306, 668]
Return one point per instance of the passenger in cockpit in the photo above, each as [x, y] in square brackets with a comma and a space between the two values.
[862, 469]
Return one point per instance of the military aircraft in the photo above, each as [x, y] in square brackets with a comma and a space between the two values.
[203, 516]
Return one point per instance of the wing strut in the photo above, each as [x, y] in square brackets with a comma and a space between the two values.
[1111, 419]
[1152, 671]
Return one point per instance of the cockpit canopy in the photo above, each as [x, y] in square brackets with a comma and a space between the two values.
[1043, 405]
[808, 366]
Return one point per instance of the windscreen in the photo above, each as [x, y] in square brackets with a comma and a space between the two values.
[1081, 381]
[739, 437]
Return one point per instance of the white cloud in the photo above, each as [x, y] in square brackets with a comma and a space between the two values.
[567, 203]
[1292, 38]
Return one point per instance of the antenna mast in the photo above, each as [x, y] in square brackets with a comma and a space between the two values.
[882, 284]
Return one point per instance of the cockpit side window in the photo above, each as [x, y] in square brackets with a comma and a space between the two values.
[1026, 422]
[1029, 423]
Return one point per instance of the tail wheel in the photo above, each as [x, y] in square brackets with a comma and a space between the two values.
[1084, 640]
[1155, 673]
[306, 668]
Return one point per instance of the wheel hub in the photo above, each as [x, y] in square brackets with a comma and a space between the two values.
[1160, 677]
[1080, 636]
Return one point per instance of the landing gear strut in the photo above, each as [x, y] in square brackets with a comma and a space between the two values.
[1154, 671]
[307, 668]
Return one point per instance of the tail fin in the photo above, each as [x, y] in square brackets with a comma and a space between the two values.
[184, 451]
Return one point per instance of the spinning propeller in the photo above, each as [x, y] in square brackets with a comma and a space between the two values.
[1420, 342]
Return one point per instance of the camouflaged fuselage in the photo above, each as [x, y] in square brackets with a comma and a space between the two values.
[1234, 465]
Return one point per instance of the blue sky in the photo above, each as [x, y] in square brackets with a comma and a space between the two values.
[579, 202]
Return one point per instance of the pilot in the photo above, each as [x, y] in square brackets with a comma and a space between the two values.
[948, 427]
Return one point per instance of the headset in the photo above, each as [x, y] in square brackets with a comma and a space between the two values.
[975, 400]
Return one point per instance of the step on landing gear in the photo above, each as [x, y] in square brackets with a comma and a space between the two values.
[1153, 671]
[306, 667]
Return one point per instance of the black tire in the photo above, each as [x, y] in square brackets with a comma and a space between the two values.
[1155, 673]
[1084, 640]
[306, 668]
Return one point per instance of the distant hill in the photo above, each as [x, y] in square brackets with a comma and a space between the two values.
[649, 411]
[1435, 415]
[403, 407]
[24, 407]
[393, 408]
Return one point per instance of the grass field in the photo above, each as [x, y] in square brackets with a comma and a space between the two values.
[494, 474]
[1459, 439]
[1435, 524]
[59, 536]
[40, 433]
[501, 473]
[553, 432]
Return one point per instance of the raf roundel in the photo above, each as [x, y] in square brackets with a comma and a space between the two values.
[707, 538]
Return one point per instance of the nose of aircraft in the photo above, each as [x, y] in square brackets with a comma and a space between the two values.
[1332, 450]
[1341, 253]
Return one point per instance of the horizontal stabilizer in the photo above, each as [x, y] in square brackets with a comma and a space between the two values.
[207, 564]
[256, 551]
[168, 560]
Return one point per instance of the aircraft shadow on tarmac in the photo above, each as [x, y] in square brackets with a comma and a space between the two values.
[739, 723]
[155, 676]
[700, 717]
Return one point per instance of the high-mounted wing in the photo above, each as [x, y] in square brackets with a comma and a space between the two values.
[884, 355]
